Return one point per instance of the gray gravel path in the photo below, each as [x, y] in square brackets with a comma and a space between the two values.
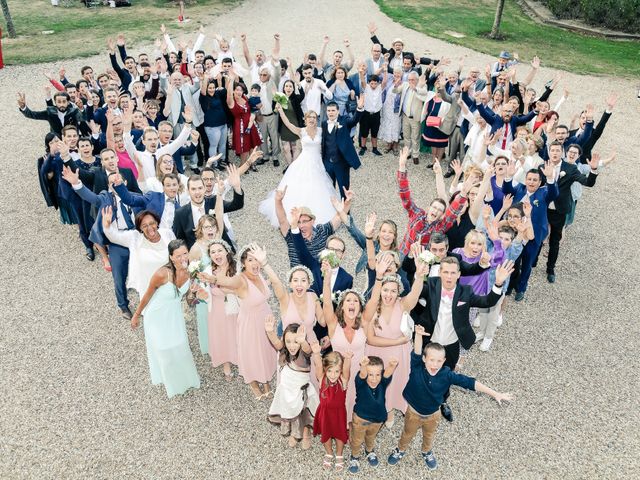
[77, 401]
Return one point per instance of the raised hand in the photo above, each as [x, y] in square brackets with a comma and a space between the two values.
[63, 149]
[503, 272]
[301, 335]
[259, 253]
[526, 208]
[70, 176]
[295, 217]
[325, 39]
[416, 250]
[419, 330]
[107, 215]
[269, 323]
[535, 63]
[611, 101]
[370, 224]
[364, 361]
[234, 177]
[372, 28]
[315, 348]
[507, 201]
[457, 167]
[22, 100]
[382, 265]
[589, 112]
[548, 171]
[392, 362]
[325, 267]
[111, 45]
[348, 355]
[280, 194]
[187, 114]
[402, 159]
[437, 168]
[120, 40]
[256, 153]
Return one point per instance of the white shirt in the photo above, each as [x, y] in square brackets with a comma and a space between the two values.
[372, 99]
[443, 332]
[313, 95]
[146, 157]
[334, 276]
[168, 213]
[254, 70]
[556, 175]
[331, 125]
[197, 212]
[61, 117]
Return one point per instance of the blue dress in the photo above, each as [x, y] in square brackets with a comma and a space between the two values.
[202, 316]
[170, 359]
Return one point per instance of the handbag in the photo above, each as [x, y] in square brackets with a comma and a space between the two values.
[351, 106]
[433, 121]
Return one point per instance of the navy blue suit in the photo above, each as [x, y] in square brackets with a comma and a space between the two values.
[118, 255]
[497, 122]
[338, 152]
[153, 201]
[540, 200]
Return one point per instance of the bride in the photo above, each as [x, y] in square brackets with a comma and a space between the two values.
[306, 181]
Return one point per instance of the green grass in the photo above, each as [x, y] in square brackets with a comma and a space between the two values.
[81, 32]
[556, 47]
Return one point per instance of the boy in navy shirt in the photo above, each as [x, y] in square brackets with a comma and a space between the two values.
[428, 382]
[369, 412]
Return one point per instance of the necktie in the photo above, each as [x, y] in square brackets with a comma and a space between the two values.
[173, 201]
[126, 214]
[505, 134]
[155, 159]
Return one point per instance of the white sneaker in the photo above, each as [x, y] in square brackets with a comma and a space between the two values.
[476, 322]
[486, 344]
[499, 320]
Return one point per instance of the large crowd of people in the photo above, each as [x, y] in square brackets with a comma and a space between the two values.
[147, 159]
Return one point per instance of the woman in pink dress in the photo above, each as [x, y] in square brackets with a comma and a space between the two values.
[385, 339]
[297, 304]
[223, 310]
[244, 139]
[256, 359]
[347, 329]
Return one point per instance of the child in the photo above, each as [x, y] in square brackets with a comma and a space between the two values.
[295, 401]
[370, 121]
[222, 48]
[331, 417]
[370, 410]
[503, 63]
[255, 104]
[424, 392]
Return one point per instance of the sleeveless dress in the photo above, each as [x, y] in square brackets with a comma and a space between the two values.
[402, 353]
[307, 182]
[331, 415]
[295, 401]
[170, 359]
[256, 362]
[293, 316]
[244, 142]
[341, 345]
[432, 136]
[202, 310]
[223, 330]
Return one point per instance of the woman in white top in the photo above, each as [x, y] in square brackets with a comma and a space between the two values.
[164, 165]
[147, 244]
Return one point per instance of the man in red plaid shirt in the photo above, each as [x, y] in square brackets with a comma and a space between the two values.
[439, 217]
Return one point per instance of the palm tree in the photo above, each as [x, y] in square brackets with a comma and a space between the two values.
[7, 17]
[495, 30]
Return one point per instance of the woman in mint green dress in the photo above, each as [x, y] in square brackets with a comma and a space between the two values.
[170, 359]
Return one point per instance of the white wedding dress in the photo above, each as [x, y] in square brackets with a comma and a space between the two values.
[307, 182]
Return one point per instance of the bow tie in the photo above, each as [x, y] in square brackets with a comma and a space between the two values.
[172, 200]
[447, 294]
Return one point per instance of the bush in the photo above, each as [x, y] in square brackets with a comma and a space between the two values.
[623, 15]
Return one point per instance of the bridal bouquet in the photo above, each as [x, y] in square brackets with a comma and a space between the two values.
[330, 256]
[428, 258]
[281, 99]
[195, 267]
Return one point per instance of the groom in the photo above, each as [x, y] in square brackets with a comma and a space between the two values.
[338, 152]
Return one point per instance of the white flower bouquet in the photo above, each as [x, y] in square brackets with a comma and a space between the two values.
[281, 99]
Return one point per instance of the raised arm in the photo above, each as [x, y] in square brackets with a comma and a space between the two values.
[245, 49]
[327, 301]
[219, 208]
[279, 289]
[315, 349]
[280, 213]
[323, 50]
[269, 328]
[417, 340]
[410, 300]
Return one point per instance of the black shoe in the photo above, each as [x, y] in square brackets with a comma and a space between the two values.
[252, 168]
[519, 296]
[509, 292]
[362, 151]
[262, 161]
[91, 255]
[416, 161]
[446, 412]
[276, 162]
[377, 152]
[551, 277]
[195, 171]
[285, 169]
[450, 173]
[430, 165]
[126, 313]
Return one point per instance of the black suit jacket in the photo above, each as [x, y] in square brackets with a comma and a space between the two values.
[183, 220]
[571, 174]
[72, 116]
[343, 138]
[466, 269]
[463, 300]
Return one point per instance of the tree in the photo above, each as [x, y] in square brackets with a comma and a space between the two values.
[7, 16]
[495, 30]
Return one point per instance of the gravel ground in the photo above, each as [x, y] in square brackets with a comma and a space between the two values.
[78, 402]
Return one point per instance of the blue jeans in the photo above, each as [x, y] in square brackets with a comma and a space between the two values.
[217, 139]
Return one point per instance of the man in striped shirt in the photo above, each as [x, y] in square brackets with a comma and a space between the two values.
[438, 218]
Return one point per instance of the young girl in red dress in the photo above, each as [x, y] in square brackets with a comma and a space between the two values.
[331, 416]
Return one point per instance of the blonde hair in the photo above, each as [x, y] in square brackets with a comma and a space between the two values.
[309, 113]
[475, 235]
[473, 169]
[332, 359]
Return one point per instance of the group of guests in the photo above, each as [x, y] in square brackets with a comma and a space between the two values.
[122, 142]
